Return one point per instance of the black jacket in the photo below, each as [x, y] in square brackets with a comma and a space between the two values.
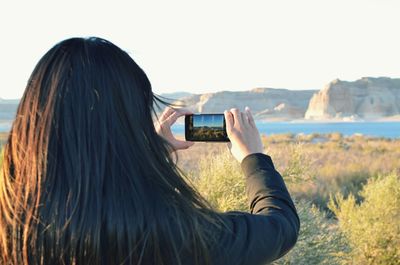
[272, 227]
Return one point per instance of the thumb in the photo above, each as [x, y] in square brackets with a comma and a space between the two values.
[229, 120]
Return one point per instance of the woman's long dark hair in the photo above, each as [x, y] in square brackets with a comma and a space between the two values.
[86, 179]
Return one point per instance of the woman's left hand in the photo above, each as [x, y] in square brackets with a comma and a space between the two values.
[163, 127]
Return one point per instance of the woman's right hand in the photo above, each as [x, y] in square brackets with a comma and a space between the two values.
[243, 133]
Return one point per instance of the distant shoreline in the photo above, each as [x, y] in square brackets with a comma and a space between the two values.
[374, 129]
[384, 119]
[395, 118]
[5, 125]
[386, 129]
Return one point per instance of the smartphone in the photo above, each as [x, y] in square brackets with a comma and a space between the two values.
[205, 128]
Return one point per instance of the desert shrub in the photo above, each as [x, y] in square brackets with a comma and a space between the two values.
[343, 166]
[320, 241]
[345, 184]
[222, 182]
[297, 169]
[335, 136]
[308, 138]
[373, 226]
[279, 138]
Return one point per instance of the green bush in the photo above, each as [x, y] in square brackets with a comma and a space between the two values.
[319, 242]
[298, 166]
[373, 226]
[222, 182]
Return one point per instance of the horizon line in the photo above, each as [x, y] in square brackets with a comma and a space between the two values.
[254, 88]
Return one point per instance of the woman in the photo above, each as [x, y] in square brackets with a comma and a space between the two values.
[87, 177]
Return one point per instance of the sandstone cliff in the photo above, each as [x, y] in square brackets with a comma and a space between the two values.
[367, 98]
[266, 103]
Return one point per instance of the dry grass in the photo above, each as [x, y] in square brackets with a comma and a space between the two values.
[221, 182]
[365, 228]
[331, 163]
[315, 167]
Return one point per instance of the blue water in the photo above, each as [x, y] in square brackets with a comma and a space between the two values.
[5, 126]
[374, 129]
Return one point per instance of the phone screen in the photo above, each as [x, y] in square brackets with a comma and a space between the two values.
[206, 127]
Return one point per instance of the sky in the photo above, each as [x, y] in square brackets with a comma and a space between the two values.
[213, 45]
[208, 120]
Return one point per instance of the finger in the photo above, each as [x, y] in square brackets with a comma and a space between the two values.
[167, 112]
[250, 117]
[228, 120]
[237, 119]
[245, 120]
[173, 117]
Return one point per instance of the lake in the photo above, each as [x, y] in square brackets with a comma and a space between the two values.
[375, 129]
[5, 126]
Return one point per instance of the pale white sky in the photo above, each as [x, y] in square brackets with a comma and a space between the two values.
[213, 45]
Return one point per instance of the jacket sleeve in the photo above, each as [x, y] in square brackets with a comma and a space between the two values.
[271, 228]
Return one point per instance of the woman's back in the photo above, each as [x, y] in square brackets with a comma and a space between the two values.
[88, 179]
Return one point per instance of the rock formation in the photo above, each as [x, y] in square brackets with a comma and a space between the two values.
[367, 98]
[265, 103]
